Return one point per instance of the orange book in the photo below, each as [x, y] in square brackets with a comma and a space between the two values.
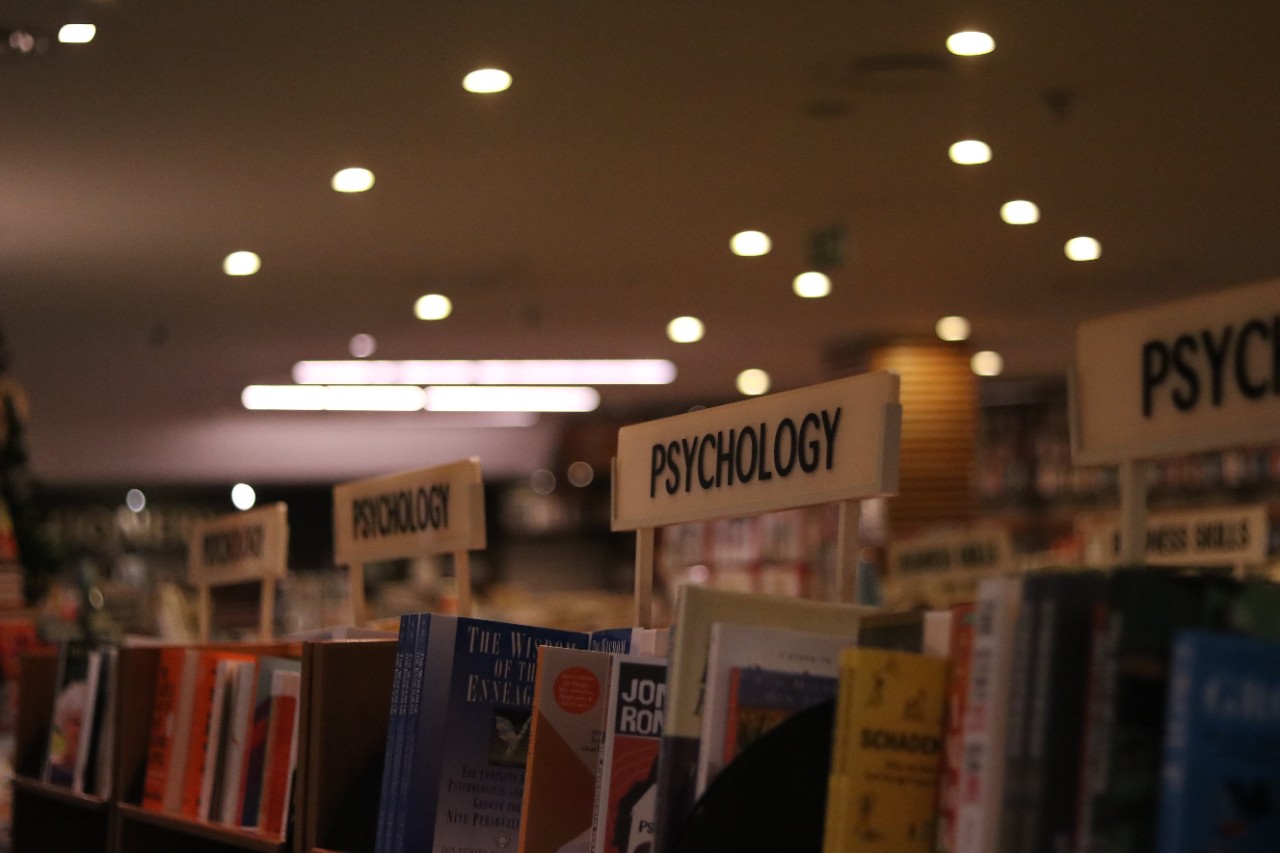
[198, 750]
[282, 752]
[164, 709]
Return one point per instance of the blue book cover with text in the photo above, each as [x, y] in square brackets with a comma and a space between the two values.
[1220, 779]
[466, 787]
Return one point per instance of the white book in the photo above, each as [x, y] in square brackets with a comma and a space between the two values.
[85, 741]
[180, 737]
[107, 730]
[219, 713]
[243, 693]
[735, 646]
[982, 768]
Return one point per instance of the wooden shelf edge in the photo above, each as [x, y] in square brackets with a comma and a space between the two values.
[243, 838]
[87, 802]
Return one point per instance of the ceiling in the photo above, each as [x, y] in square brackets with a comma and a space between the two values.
[576, 213]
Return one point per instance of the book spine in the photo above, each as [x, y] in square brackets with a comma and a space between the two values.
[281, 752]
[238, 743]
[1175, 766]
[395, 734]
[1098, 724]
[1026, 639]
[413, 824]
[176, 773]
[255, 761]
[198, 749]
[213, 746]
[160, 739]
[91, 712]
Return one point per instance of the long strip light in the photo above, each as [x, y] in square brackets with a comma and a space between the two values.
[652, 371]
[511, 398]
[412, 398]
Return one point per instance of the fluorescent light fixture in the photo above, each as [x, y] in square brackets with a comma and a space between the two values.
[685, 330]
[987, 363]
[752, 382]
[1083, 249]
[241, 263]
[352, 180]
[811, 285]
[750, 244]
[635, 371]
[970, 43]
[243, 496]
[953, 328]
[487, 81]
[1020, 212]
[432, 306]
[77, 33]
[969, 152]
[333, 398]
[511, 398]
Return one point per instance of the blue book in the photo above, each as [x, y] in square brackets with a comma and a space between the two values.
[1220, 779]
[468, 740]
[391, 765]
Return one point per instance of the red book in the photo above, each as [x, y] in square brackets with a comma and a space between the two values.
[164, 710]
[282, 752]
[953, 734]
[198, 750]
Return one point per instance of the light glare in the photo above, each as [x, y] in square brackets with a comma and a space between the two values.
[1020, 212]
[487, 81]
[969, 152]
[77, 33]
[636, 371]
[953, 328]
[970, 43]
[750, 244]
[135, 500]
[987, 363]
[811, 285]
[685, 330]
[581, 474]
[1083, 249]
[243, 496]
[753, 382]
[241, 263]
[363, 346]
[352, 180]
[432, 306]
[511, 398]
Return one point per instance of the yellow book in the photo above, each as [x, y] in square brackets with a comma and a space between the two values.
[887, 751]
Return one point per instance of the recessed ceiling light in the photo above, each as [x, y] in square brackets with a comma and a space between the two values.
[363, 346]
[1020, 212]
[750, 244]
[811, 285]
[243, 496]
[77, 33]
[432, 306]
[241, 263]
[752, 382]
[970, 43]
[487, 81]
[135, 500]
[511, 398]
[685, 330]
[969, 152]
[620, 371]
[1083, 249]
[987, 363]
[953, 328]
[352, 180]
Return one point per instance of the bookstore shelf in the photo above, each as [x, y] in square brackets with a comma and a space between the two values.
[144, 830]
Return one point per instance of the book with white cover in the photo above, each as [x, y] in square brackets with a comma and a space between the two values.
[243, 694]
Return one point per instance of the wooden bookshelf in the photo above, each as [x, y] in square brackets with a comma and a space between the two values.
[143, 831]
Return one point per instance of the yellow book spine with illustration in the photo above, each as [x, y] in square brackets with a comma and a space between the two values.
[887, 748]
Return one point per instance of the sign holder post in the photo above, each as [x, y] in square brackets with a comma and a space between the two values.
[836, 442]
[238, 548]
[1195, 375]
[417, 513]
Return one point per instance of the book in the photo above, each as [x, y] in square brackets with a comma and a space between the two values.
[215, 764]
[203, 724]
[282, 752]
[732, 718]
[91, 723]
[102, 757]
[886, 753]
[623, 817]
[985, 715]
[160, 738]
[1220, 770]
[638, 641]
[960, 657]
[463, 785]
[256, 748]
[570, 700]
[393, 756]
[175, 774]
[1017, 713]
[921, 631]
[243, 693]
[72, 707]
[697, 608]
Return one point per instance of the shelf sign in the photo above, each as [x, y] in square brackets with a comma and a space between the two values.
[831, 442]
[947, 552]
[428, 511]
[241, 547]
[1195, 375]
[1222, 536]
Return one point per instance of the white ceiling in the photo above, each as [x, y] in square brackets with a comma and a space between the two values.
[573, 215]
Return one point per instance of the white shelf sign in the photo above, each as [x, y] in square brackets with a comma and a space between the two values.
[1195, 375]
[836, 441]
[428, 511]
[240, 547]
[1222, 536]
[944, 552]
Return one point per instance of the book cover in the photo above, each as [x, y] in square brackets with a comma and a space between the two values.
[68, 726]
[961, 653]
[623, 817]
[570, 700]
[243, 696]
[760, 699]
[888, 746]
[1220, 774]
[203, 724]
[697, 609]
[726, 719]
[256, 748]
[465, 785]
[282, 752]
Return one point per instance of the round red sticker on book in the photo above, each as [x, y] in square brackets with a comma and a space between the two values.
[577, 690]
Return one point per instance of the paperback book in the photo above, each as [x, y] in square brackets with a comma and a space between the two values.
[623, 819]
